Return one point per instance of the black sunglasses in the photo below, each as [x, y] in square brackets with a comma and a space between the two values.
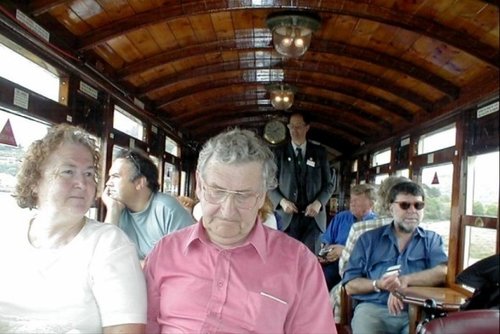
[406, 205]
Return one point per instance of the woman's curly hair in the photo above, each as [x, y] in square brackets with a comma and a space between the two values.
[30, 172]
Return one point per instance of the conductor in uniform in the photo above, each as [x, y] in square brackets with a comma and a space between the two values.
[305, 184]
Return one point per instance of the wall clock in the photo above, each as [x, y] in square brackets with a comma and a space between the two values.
[275, 131]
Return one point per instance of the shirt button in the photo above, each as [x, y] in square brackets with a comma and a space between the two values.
[220, 284]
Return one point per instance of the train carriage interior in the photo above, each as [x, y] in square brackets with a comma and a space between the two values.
[392, 87]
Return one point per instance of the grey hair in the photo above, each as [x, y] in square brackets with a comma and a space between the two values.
[365, 189]
[237, 146]
[384, 202]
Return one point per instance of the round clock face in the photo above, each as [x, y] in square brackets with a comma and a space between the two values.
[275, 132]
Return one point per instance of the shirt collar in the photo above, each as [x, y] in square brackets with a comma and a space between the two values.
[256, 239]
[302, 147]
[370, 215]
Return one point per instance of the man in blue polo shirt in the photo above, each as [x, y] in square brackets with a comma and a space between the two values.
[333, 240]
[419, 253]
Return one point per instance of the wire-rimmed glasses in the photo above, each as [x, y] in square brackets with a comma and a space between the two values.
[241, 199]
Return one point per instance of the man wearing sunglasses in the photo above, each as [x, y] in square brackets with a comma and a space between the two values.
[417, 254]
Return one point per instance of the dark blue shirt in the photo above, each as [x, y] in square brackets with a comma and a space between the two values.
[377, 250]
[339, 227]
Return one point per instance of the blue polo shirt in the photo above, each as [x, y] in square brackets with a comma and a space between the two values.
[377, 250]
[339, 227]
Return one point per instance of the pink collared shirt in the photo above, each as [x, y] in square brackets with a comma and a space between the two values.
[271, 284]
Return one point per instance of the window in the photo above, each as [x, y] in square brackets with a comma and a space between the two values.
[481, 206]
[437, 182]
[381, 157]
[380, 177]
[128, 124]
[171, 179]
[403, 172]
[479, 243]
[24, 72]
[437, 140]
[24, 132]
[354, 167]
[183, 183]
[482, 185]
[171, 147]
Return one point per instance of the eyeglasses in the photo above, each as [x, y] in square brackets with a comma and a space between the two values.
[130, 156]
[406, 205]
[242, 200]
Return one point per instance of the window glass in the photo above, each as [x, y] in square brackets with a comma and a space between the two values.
[354, 168]
[171, 147]
[482, 185]
[26, 73]
[403, 172]
[380, 177]
[171, 180]
[128, 124]
[437, 140]
[381, 157]
[353, 183]
[183, 183]
[17, 133]
[479, 243]
[437, 183]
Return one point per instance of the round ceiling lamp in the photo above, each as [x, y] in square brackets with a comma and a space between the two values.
[292, 31]
[281, 95]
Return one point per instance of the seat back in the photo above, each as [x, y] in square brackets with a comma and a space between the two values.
[465, 322]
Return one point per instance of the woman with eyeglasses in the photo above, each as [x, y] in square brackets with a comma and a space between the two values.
[392, 257]
[61, 271]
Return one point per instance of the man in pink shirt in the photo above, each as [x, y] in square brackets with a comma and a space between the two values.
[229, 273]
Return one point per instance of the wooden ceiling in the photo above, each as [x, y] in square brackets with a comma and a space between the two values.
[375, 68]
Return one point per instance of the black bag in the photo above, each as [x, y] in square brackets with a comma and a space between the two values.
[483, 276]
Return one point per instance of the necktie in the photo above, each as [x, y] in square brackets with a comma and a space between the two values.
[300, 158]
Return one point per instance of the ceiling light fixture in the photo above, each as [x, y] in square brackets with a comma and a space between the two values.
[281, 95]
[292, 31]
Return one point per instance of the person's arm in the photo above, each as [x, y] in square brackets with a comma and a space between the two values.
[153, 293]
[118, 283]
[360, 285]
[429, 277]
[125, 329]
[114, 208]
[311, 312]
[288, 206]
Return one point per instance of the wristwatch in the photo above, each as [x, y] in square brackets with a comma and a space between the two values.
[375, 287]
